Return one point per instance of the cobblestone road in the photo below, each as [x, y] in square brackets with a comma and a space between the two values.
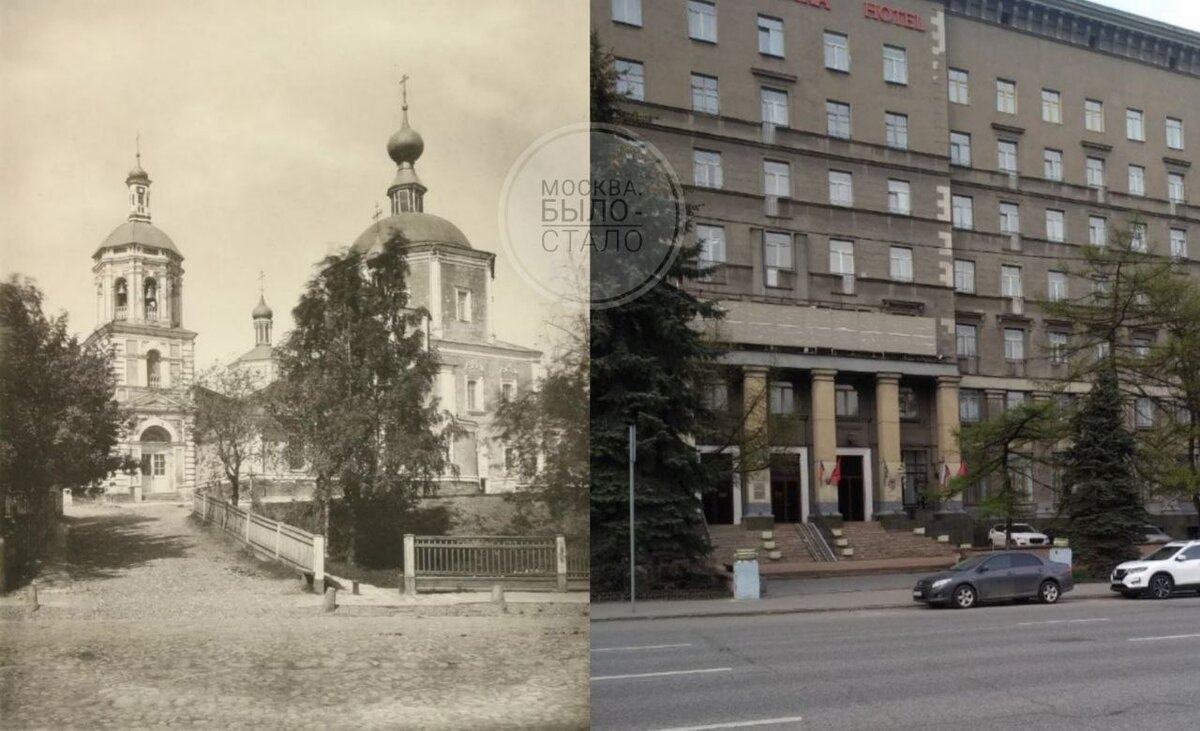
[152, 622]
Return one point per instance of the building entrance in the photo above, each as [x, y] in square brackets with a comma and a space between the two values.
[718, 503]
[851, 489]
[785, 488]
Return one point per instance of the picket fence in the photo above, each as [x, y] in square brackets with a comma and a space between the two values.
[287, 543]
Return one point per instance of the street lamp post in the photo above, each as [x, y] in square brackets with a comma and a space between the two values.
[632, 555]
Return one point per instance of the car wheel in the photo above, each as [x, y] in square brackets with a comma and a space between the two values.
[964, 597]
[1049, 592]
[1161, 586]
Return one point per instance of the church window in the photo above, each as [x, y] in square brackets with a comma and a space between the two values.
[463, 304]
[121, 290]
[160, 465]
[508, 390]
[474, 398]
[151, 298]
[153, 376]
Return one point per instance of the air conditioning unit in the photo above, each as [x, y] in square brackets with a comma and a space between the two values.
[768, 133]
[771, 205]
[847, 284]
[1016, 306]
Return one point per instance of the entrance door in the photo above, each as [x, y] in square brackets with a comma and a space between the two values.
[718, 503]
[785, 488]
[851, 497]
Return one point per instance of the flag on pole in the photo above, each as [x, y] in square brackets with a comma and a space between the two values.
[836, 476]
[962, 468]
[820, 472]
[945, 473]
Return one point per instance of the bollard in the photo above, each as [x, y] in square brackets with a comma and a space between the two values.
[330, 599]
[31, 597]
[410, 565]
[498, 597]
[560, 554]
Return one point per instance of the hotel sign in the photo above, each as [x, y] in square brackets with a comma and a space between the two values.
[876, 11]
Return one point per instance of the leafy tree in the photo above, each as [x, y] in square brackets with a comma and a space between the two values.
[228, 420]
[648, 366]
[355, 389]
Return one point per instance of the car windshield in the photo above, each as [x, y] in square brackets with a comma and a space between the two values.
[1163, 553]
[968, 564]
[1023, 528]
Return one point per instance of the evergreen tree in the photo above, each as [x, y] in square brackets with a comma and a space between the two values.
[1102, 502]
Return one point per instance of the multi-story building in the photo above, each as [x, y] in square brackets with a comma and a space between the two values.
[889, 188]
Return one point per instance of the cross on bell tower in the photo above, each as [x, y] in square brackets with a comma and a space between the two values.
[405, 147]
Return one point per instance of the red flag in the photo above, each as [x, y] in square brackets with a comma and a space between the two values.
[962, 469]
[836, 476]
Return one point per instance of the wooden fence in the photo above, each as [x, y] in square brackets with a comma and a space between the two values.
[473, 562]
[288, 544]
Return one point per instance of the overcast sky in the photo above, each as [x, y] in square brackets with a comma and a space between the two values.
[1184, 13]
[263, 127]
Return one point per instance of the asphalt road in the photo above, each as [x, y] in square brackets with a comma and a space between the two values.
[1105, 663]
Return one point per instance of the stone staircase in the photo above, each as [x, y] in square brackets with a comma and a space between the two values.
[869, 541]
[784, 543]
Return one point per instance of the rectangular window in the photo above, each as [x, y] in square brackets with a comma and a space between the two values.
[783, 398]
[1097, 231]
[1137, 180]
[631, 79]
[777, 255]
[909, 406]
[1141, 346]
[702, 21]
[1175, 192]
[473, 400]
[704, 94]
[960, 149]
[841, 188]
[717, 397]
[160, 464]
[628, 12]
[964, 276]
[898, 197]
[968, 405]
[770, 36]
[706, 168]
[1174, 133]
[1093, 115]
[1053, 167]
[1179, 243]
[841, 257]
[1051, 106]
[1057, 342]
[712, 244]
[1137, 237]
[1055, 226]
[1010, 282]
[1095, 172]
[1006, 156]
[1010, 218]
[837, 52]
[1014, 400]
[1006, 96]
[1014, 344]
[1143, 412]
[777, 179]
[895, 65]
[462, 303]
[775, 107]
[1056, 286]
[959, 87]
[966, 340]
[962, 212]
[508, 390]
[837, 119]
[1135, 125]
[846, 401]
[896, 129]
[901, 264]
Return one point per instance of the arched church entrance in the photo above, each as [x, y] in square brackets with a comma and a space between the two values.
[157, 470]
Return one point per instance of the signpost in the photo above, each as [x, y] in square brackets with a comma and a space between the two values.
[632, 556]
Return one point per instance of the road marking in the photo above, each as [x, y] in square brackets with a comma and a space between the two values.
[659, 675]
[738, 724]
[640, 647]
[1165, 637]
[1062, 621]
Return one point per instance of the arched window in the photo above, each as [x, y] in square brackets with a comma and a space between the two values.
[150, 292]
[121, 302]
[156, 434]
[153, 378]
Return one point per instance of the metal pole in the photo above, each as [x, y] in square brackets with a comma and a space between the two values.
[632, 556]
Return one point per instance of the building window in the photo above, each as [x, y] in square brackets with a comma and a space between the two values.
[704, 94]
[901, 258]
[717, 396]
[1137, 237]
[1097, 231]
[1137, 180]
[712, 244]
[1006, 156]
[964, 276]
[1014, 400]
[1058, 346]
[1175, 192]
[1053, 159]
[968, 405]
[1174, 133]
[628, 12]
[777, 179]
[706, 168]
[966, 340]
[1093, 115]
[153, 369]
[837, 52]
[1014, 344]
[777, 256]
[1141, 346]
[770, 36]
[1051, 106]
[774, 107]
[846, 402]
[1055, 227]
[702, 21]
[960, 149]
[896, 130]
[1179, 243]
[1095, 172]
[1056, 286]
[962, 212]
[1135, 125]
[1103, 350]
[1006, 96]
[959, 88]
[909, 407]
[462, 301]
[1143, 412]
[841, 188]
[1099, 288]
[841, 257]
[899, 201]
[121, 296]
[474, 397]
[1010, 218]
[783, 398]
[508, 391]
[159, 462]
[895, 65]
[1010, 281]
[631, 79]
[837, 119]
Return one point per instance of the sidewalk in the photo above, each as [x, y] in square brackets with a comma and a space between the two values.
[843, 601]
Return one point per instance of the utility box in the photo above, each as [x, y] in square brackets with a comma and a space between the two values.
[746, 585]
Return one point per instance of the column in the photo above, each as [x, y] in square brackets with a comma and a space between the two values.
[824, 440]
[435, 293]
[755, 455]
[887, 420]
[947, 428]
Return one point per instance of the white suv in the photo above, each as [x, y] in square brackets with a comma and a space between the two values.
[1023, 534]
[1174, 566]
